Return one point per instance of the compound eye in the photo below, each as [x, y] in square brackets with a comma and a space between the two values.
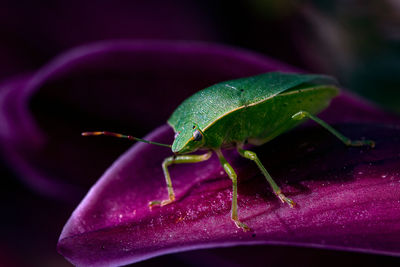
[197, 136]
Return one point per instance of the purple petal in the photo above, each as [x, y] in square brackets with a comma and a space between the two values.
[348, 198]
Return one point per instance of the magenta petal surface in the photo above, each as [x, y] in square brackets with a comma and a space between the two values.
[348, 198]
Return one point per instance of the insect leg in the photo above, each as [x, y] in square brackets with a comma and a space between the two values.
[278, 192]
[347, 141]
[176, 160]
[232, 174]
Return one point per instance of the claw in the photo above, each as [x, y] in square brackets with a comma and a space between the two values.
[154, 203]
[357, 143]
[285, 199]
[161, 203]
[166, 202]
[241, 225]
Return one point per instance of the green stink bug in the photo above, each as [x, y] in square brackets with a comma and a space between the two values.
[250, 110]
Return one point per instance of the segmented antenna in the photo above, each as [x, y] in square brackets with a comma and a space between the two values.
[118, 135]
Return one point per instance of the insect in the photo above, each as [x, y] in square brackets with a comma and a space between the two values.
[251, 110]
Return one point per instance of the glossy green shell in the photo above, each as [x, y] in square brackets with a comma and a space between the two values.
[254, 109]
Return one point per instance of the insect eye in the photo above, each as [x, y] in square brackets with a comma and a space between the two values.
[197, 135]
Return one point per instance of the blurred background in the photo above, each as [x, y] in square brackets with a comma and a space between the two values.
[356, 41]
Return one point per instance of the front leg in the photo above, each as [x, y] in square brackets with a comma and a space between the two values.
[176, 160]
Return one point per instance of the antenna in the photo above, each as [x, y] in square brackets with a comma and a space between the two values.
[118, 135]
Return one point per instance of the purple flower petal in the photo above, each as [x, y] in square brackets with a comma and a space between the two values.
[348, 198]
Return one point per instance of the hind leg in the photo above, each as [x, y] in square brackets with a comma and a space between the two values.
[347, 141]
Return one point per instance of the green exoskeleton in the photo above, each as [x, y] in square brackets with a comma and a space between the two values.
[250, 110]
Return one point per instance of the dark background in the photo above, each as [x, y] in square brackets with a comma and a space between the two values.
[356, 41]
